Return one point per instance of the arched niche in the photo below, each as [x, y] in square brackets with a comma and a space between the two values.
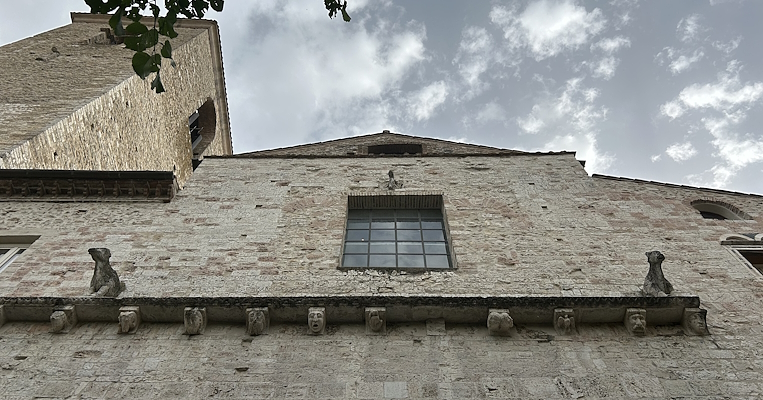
[202, 126]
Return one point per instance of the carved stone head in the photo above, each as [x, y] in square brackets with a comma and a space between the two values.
[100, 254]
[195, 320]
[695, 322]
[59, 322]
[316, 320]
[128, 320]
[654, 257]
[499, 322]
[635, 321]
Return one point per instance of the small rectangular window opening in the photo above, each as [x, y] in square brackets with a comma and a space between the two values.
[754, 257]
[395, 149]
[11, 247]
[396, 238]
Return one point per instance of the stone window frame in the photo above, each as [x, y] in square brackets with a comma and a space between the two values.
[721, 208]
[739, 243]
[399, 201]
[12, 246]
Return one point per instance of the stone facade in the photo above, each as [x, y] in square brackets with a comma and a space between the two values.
[81, 107]
[262, 231]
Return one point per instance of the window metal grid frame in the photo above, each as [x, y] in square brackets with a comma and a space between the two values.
[396, 239]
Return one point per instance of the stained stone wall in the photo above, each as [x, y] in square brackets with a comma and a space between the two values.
[521, 225]
[75, 103]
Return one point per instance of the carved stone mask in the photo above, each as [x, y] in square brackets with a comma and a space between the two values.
[316, 320]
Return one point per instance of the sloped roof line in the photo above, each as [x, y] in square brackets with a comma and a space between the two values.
[294, 150]
[673, 185]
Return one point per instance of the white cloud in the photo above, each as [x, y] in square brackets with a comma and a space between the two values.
[570, 119]
[682, 63]
[475, 54]
[722, 106]
[424, 102]
[491, 112]
[689, 28]
[681, 151]
[672, 109]
[656, 157]
[727, 47]
[605, 68]
[726, 95]
[316, 78]
[547, 28]
[611, 45]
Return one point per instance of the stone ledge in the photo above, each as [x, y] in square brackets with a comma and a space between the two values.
[74, 185]
[350, 309]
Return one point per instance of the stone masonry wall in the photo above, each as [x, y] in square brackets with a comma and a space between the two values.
[83, 107]
[526, 225]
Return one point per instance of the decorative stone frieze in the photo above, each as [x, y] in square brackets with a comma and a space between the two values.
[129, 319]
[564, 321]
[316, 320]
[63, 319]
[694, 322]
[655, 283]
[195, 319]
[635, 321]
[376, 320]
[257, 320]
[105, 281]
[499, 322]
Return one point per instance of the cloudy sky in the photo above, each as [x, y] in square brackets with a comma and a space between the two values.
[669, 91]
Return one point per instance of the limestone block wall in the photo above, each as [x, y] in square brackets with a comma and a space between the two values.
[81, 106]
[526, 225]
[93, 361]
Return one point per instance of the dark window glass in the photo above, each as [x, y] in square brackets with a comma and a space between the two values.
[388, 238]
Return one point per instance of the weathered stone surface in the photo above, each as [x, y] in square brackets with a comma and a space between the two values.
[51, 110]
[63, 319]
[499, 322]
[564, 321]
[695, 322]
[316, 320]
[195, 320]
[655, 283]
[376, 320]
[129, 319]
[635, 321]
[105, 281]
[257, 320]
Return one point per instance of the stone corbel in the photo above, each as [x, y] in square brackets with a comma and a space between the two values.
[316, 320]
[129, 319]
[195, 319]
[257, 320]
[499, 322]
[376, 320]
[63, 319]
[694, 322]
[564, 321]
[635, 321]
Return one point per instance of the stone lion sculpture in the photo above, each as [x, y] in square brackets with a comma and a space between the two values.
[655, 283]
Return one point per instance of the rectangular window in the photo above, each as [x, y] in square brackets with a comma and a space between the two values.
[11, 247]
[403, 239]
[753, 256]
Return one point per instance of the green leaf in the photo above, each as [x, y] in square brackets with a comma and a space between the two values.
[166, 25]
[167, 49]
[216, 5]
[345, 16]
[136, 28]
[157, 84]
[116, 22]
[141, 64]
[200, 6]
